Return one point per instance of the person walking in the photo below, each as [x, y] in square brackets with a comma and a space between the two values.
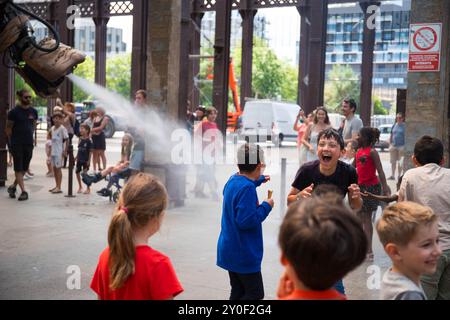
[397, 145]
[20, 127]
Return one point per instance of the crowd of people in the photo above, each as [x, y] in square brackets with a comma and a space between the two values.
[63, 126]
[326, 232]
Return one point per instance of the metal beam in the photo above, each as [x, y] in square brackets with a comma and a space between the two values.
[59, 10]
[248, 16]
[139, 52]
[194, 64]
[313, 31]
[6, 103]
[101, 21]
[367, 65]
[184, 56]
[221, 62]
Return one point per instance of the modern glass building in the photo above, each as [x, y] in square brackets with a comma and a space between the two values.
[344, 43]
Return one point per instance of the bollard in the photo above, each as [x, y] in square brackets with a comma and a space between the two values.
[283, 198]
[70, 171]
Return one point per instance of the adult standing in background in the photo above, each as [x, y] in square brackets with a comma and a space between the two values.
[69, 123]
[99, 139]
[138, 134]
[397, 145]
[310, 138]
[20, 128]
[352, 123]
[301, 129]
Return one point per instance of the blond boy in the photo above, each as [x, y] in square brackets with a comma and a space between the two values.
[409, 234]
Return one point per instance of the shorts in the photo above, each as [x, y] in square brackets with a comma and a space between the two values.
[136, 159]
[396, 153]
[22, 155]
[370, 205]
[57, 161]
[81, 166]
[99, 142]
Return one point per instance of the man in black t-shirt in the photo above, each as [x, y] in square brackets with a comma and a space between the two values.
[327, 170]
[20, 128]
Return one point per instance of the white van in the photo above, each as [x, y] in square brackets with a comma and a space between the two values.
[264, 120]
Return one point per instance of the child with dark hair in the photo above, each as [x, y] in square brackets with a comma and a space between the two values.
[83, 156]
[240, 244]
[368, 162]
[429, 184]
[313, 258]
[328, 169]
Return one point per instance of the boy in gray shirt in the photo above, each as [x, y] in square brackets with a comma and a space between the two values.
[409, 234]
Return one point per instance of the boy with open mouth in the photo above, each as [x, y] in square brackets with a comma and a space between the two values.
[328, 170]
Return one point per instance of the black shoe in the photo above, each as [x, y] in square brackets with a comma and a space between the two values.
[23, 196]
[12, 191]
[104, 192]
[88, 180]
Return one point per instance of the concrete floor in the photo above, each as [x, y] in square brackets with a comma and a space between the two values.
[43, 237]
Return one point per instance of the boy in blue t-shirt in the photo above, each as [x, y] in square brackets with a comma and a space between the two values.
[240, 244]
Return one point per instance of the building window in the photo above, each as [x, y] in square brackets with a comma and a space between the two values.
[338, 27]
[333, 57]
[388, 35]
[347, 47]
[377, 81]
[396, 81]
[330, 48]
[348, 27]
[331, 38]
[355, 36]
[349, 57]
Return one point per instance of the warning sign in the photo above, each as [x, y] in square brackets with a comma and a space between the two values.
[424, 47]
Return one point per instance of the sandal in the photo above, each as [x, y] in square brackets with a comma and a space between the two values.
[53, 189]
[56, 191]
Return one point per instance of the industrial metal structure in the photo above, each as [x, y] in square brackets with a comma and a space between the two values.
[312, 49]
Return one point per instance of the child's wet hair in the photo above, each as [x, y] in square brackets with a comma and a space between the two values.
[332, 133]
[322, 241]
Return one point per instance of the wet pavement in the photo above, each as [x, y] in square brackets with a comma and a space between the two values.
[48, 239]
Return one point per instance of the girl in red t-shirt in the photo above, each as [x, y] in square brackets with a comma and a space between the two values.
[367, 164]
[129, 269]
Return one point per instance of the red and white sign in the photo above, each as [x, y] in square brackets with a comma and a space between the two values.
[424, 47]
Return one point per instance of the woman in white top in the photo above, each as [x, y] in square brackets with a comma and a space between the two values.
[321, 122]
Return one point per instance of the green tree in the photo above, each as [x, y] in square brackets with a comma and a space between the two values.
[85, 70]
[378, 106]
[20, 84]
[342, 82]
[118, 74]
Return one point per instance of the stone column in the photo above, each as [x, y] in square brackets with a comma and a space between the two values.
[167, 77]
[427, 101]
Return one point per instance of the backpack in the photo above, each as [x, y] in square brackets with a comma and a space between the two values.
[76, 127]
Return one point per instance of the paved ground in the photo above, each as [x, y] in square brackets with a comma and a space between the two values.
[44, 236]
